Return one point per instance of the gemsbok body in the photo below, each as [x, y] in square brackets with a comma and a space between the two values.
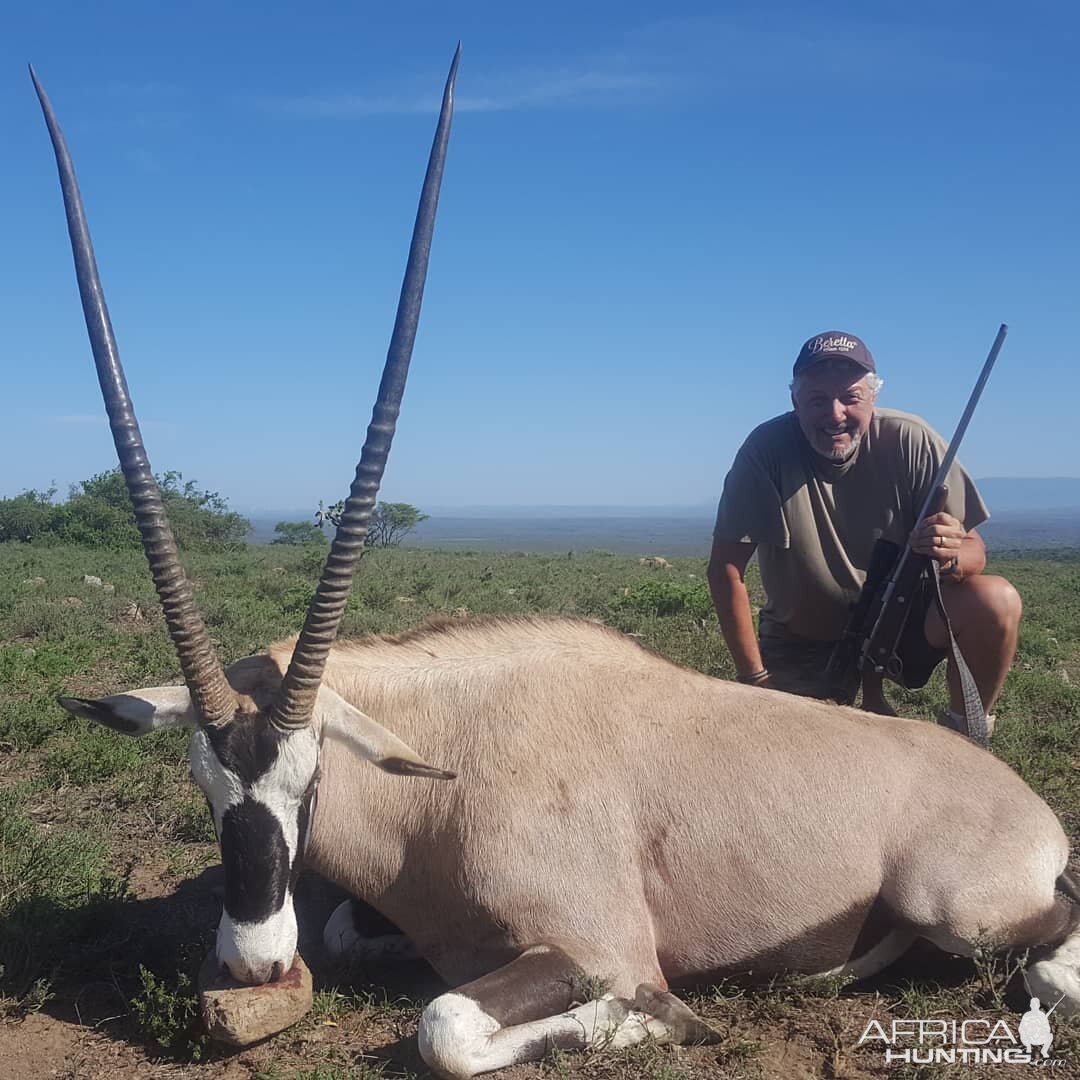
[554, 809]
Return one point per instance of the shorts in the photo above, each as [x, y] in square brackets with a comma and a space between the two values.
[797, 665]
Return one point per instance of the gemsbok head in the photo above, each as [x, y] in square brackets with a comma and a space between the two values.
[254, 754]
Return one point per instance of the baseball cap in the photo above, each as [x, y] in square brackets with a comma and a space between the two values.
[833, 343]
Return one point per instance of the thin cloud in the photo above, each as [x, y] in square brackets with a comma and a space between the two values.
[560, 88]
[684, 58]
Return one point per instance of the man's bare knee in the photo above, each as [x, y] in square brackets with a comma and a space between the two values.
[977, 604]
[1007, 603]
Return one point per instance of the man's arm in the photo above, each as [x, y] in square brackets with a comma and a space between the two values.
[942, 537]
[727, 569]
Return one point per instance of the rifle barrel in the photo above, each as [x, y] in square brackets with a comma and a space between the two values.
[961, 428]
[935, 488]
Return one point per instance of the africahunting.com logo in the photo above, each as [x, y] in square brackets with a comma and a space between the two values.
[968, 1042]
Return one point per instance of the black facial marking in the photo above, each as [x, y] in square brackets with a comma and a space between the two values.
[256, 860]
[247, 747]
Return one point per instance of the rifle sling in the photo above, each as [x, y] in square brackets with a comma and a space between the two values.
[974, 713]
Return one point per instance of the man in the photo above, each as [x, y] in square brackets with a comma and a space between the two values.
[811, 491]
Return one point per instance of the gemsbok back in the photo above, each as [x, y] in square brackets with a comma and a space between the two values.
[553, 807]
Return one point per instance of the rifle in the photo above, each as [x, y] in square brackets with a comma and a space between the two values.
[870, 638]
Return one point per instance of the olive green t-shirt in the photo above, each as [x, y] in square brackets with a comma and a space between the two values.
[815, 523]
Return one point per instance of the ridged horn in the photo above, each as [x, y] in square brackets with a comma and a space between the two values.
[211, 694]
[296, 698]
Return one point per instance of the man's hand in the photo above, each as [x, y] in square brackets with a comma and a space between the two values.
[938, 536]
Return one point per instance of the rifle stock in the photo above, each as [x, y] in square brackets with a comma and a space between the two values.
[843, 673]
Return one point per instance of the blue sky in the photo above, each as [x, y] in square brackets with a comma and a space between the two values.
[643, 216]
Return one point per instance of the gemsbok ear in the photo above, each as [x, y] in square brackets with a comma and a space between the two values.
[370, 740]
[138, 712]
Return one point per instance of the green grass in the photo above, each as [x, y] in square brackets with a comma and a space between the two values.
[80, 806]
[167, 1012]
[54, 888]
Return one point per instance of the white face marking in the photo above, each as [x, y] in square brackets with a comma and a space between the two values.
[250, 949]
[282, 787]
[221, 787]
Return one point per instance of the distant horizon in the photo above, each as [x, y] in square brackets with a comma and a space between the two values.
[1001, 489]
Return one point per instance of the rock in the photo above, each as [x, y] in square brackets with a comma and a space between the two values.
[71, 601]
[133, 611]
[34, 582]
[108, 588]
[242, 1015]
[90, 579]
[654, 562]
[405, 599]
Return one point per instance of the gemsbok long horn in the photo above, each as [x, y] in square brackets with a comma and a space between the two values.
[211, 694]
[296, 698]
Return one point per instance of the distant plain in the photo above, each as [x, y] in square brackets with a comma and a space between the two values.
[664, 531]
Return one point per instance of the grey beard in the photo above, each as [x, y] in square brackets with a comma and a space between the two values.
[838, 457]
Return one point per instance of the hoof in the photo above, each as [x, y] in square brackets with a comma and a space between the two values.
[686, 1027]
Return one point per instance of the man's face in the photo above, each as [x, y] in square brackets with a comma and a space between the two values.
[833, 405]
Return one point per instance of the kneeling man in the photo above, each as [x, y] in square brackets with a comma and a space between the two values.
[811, 491]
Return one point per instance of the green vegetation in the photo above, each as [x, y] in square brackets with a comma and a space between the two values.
[98, 513]
[103, 839]
[664, 596]
[295, 533]
[168, 1014]
[390, 522]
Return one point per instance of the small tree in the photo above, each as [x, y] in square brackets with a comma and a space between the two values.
[27, 516]
[296, 533]
[390, 522]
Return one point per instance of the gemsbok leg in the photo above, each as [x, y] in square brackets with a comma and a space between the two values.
[526, 1008]
[1021, 896]
[1056, 977]
[354, 930]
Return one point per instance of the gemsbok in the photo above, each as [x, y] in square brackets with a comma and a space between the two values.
[554, 808]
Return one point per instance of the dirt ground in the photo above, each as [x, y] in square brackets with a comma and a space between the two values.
[86, 1030]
